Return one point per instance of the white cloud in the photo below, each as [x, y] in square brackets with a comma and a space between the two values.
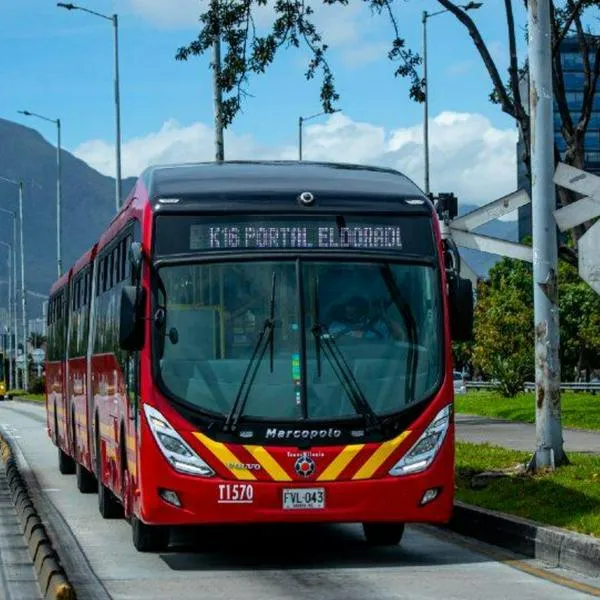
[468, 155]
[170, 13]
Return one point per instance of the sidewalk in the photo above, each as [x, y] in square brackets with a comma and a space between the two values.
[519, 436]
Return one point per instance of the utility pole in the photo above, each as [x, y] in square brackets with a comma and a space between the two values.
[425, 104]
[218, 94]
[118, 191]
[549, 446]
[23, 294]
[9, 346]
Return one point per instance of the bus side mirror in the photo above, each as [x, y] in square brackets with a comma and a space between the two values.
[131, 323]
[135, 258]
[461, 309]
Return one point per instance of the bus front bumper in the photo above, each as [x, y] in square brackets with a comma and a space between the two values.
[425, 497]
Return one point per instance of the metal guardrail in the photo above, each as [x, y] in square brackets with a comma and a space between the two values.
[575, 386]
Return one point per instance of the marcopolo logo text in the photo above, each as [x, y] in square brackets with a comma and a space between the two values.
[302, 434]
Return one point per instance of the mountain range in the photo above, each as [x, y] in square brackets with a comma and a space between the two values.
[87, 207]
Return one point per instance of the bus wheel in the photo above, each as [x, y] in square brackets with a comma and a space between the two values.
[383, 534]
[108, 505]
[66, 465]
[86, 482]
[149, 538]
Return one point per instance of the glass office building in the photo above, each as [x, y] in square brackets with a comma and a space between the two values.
[572, 61]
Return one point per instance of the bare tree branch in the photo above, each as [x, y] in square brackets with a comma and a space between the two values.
[559, 84]
[520, 113]
[560, 35]
[503, 97]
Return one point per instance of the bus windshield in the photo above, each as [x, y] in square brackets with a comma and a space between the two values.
[299, 338]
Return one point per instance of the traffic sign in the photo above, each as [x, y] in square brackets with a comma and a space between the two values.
[461, 228]
[38, 355]
[578, 212]
[589, 256]
[581, 182]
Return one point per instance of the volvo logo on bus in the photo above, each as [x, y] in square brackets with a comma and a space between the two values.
[306, 198]
[274, 433]
[305, 466]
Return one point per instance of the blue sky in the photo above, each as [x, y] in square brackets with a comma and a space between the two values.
[59, 63]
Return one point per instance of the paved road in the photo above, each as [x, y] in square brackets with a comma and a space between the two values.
[17, 576]
[519, 436]
[302, 563]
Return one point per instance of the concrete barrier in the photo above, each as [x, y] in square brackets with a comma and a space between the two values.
[51, 576]
[558, 547]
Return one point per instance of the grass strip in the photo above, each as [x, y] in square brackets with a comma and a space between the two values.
[579, 409]
[26, 396]
[569, 497]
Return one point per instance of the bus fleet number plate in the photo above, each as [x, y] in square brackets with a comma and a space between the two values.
[299, 498]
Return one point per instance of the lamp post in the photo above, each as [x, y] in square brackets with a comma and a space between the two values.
[19, 184]
[426, 16]
[114, 19]
[10, 345]
[58, 187]
[301, 121]
[14, 281]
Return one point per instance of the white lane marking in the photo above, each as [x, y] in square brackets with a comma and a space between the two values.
[50, 489]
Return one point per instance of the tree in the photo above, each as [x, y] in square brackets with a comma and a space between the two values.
[248, 52]
[579, 307]
[504, 344]
[37, 340]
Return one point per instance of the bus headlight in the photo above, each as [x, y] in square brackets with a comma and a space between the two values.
[174, 447]
[425, 449]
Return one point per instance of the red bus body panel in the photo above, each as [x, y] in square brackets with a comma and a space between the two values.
[133, 467]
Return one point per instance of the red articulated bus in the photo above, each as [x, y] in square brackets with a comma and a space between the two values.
[261, 342]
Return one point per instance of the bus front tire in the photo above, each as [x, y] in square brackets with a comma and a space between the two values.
[86, 482]
[383, 534]
[66, 465]
[108, 505]
[149, 538]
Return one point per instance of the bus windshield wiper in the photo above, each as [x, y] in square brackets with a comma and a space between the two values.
[324, 341]
[265, 340]
[411, 329]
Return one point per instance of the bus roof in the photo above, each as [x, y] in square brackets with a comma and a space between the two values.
[276, 177]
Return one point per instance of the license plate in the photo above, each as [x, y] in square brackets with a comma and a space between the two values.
[302, 498]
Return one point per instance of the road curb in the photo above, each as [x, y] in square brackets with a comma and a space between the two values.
[558, 547]
[50, 574]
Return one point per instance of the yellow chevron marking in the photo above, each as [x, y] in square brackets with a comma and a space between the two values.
[268, 463]
[226, 456]
[378, 457]
[340, 462]
[106, 431]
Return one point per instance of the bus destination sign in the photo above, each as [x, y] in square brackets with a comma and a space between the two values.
[272, 236]
[180, 234]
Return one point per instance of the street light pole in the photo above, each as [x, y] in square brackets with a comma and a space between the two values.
[301, 121]
[10, 344]
[23, 293]
[13, 214]
[114, 19]
[425, 104]
[58, 186]
[426, 16]
[549, 450]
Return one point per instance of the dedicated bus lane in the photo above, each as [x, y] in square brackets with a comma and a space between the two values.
[257, 563]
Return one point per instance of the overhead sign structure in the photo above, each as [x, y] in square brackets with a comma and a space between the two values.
[585, 209]
[460, 230]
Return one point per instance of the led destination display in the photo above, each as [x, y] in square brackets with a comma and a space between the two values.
[300, 236]
[180, 234]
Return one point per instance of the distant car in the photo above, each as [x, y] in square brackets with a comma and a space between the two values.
[460, 386]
